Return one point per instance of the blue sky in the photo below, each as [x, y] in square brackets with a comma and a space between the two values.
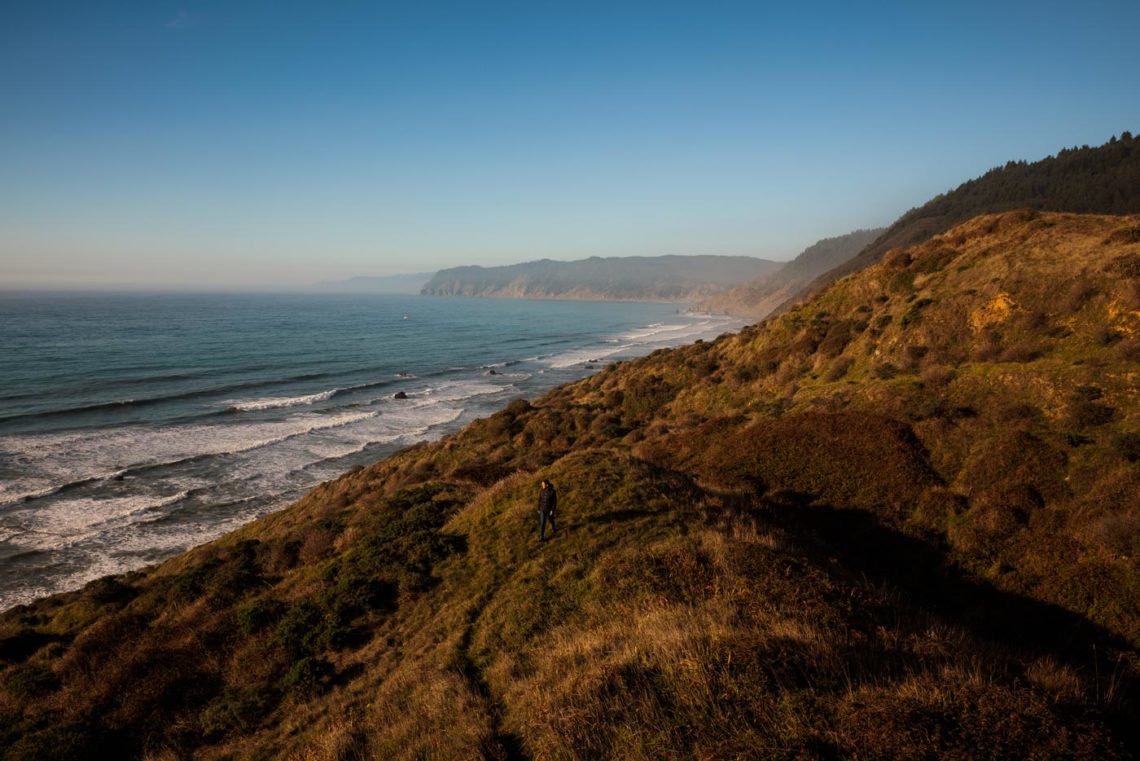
[236, 145]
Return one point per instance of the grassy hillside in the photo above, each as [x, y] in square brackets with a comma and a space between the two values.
[899, 521]
[1101, 180]
[758, 297]
[631, 278]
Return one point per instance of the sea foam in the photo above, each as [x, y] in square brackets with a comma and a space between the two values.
[273, 402]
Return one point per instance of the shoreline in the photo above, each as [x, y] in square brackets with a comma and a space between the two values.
[590, 298]
[590, 361]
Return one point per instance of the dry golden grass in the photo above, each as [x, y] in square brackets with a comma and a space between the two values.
[423, 713]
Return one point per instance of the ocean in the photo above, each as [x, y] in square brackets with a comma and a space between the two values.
[136, 426]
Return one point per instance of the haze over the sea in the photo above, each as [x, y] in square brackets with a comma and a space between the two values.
[241, 145]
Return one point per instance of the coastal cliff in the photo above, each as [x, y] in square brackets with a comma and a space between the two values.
[898, 520]
[681, 279]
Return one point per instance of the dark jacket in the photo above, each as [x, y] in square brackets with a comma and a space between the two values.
[547, 499]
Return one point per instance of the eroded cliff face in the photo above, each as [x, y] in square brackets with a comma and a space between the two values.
[899, 520]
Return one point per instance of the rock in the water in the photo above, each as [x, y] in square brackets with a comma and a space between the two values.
[400, 395]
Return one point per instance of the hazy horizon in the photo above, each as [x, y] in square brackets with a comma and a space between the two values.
[331, 287]
[205, 146]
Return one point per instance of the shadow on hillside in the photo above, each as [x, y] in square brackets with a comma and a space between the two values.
[920, 573]
[621, 516]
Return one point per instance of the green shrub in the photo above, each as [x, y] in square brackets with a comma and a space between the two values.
[74, 741]
[1127, 265]
[912, 315]
[299, 628]
[915, 353]
[481, 472]
[837, 338]
[901, 281]
[1128, 350]
[1081, 290]
[30, 681]
[353, 595]
[23, 643]
[259, 614]
[1087, 393]
[236, 710]
[745, 373]
[703, 367]
[1022, 351]
[934, 261]
[1106, 336]
[1127, 445]
[644, 396]
[110, 590]
[885, 370]
[307, 677]
[937, 506]
[838, 369]
[1015, 458]
[227, 576]
[1082, 414]
[989, 345]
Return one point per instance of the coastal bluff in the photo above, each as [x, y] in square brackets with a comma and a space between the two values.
[681, 279]
[896, 521]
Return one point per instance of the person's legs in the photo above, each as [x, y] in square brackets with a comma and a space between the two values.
[541, 525]
[553, 528]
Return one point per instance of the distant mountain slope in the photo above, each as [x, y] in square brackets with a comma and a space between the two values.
[901, 520]
[656, 278]
[1100, 180]
[760, 296]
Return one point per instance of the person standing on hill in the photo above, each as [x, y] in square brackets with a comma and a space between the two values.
[547, 503]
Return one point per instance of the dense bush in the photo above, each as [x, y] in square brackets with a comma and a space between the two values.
[30, 681]
[644, 397]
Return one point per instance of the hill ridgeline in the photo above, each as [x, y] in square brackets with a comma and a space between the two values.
[1100, 180]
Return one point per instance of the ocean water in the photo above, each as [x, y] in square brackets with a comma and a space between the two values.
[135, 426]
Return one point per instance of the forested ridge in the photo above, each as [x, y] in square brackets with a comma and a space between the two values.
[1100, 180]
